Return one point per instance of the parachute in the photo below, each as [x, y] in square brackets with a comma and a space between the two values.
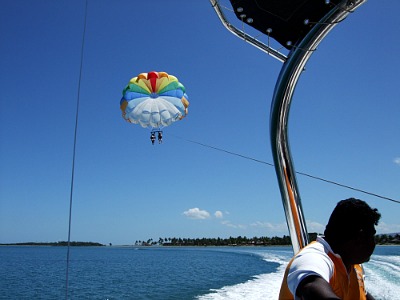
[154, 100]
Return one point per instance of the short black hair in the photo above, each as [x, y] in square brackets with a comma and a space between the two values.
[349, 217]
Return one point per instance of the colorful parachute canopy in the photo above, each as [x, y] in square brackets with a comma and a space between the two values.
[154, 99]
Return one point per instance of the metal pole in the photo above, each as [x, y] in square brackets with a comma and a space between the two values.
[284, 89]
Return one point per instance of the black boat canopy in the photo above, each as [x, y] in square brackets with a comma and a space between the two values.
[286, 21]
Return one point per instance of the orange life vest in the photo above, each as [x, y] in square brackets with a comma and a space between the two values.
[345, 286]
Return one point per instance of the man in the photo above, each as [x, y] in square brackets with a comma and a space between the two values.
[329, 268]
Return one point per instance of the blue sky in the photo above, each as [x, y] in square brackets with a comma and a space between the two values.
[344, 123]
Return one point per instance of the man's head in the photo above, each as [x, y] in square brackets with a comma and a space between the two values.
[351, 226]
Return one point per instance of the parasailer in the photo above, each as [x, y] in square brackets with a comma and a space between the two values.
[154, 100]
[160, 137]
[153, 137]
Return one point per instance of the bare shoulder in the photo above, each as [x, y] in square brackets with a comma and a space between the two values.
[315, 287]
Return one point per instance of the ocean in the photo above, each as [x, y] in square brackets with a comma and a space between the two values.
[166, 273]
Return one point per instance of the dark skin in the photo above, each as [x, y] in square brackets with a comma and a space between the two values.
[353, 251]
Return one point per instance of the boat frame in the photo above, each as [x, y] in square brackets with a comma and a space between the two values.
[293, 66]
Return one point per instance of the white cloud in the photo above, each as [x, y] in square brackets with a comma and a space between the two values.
[281, 227]
[229, 224]
[387, 228]
[313, 226]
[196, 213]
[397, 161]
[218, 214]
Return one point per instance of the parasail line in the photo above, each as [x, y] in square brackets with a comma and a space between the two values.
[74, 152]
[298, 172]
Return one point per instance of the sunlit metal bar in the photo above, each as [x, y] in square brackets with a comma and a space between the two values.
[251, 40]
[291, 70]
[280, 107]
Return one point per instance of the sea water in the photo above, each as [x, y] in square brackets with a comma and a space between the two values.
[382, 277]
[166, 272]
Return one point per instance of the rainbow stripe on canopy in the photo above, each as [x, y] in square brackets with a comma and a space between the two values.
[154, 99]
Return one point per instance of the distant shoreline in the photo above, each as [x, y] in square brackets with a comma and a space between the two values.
[392, 239]
[90, 244]
[55, 244]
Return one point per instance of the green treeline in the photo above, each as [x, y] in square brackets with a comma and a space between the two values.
[385, 239]
[231, 241]
[63, 243]
[381, 239]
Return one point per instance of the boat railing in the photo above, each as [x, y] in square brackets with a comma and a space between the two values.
[293, 65]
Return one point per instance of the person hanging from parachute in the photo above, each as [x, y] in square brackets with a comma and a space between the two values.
[160, 137]
[154, 100]
[153, 137]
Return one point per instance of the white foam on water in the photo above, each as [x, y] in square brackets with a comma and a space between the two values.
[264, 286]
[383, 277]
[382, 280]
